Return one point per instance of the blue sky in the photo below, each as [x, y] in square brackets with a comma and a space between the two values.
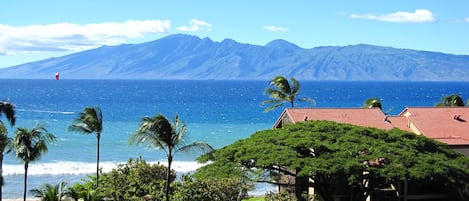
[32, 30]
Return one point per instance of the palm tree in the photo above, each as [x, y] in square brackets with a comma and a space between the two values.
[49, 192]
[30, 144]
[372, 103]
[4, 143]
[157, 132]
[87, 122]
[282, 92]
[8, 109]
[453, 100]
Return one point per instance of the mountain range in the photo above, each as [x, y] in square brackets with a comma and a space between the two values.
[189, 57]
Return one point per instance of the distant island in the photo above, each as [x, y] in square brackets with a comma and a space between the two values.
[189, 57]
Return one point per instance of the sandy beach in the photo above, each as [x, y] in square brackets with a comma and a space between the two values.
[28, 199]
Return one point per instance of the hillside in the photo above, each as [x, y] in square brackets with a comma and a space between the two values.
[189, 57]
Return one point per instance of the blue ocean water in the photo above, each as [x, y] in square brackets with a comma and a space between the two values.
[217, 112]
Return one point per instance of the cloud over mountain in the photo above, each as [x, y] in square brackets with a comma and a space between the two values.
[74, 37]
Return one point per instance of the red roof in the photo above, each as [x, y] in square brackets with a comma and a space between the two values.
[357, 116]
[446, 124]
[449, 125]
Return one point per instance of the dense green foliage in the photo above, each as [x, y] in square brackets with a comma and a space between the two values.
[87, 122]
[228, 189]
[332, 154]
[130, 181]
[138, 180]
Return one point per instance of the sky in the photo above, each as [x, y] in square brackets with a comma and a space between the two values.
[32, 30]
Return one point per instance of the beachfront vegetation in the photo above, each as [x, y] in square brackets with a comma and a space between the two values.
[130, 181]
[87, 122]
[227, 189]
[138, 180]
[30, 145]
[335, 155]
[159, 133]
[453, 100]
[49, 192]
[281, 91]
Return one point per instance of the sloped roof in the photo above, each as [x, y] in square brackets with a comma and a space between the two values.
[373, 117]
[400, 122]
[446, 124]
[449, 125]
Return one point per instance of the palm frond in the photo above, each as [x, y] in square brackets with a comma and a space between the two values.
[295, 88]
[281, 83]
[275, 94]
[273, 101]
[8, 109]
[273, 107]
[198, 146]
[309, 100]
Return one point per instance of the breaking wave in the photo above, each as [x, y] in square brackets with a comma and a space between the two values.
[82, 168]
[47, 111]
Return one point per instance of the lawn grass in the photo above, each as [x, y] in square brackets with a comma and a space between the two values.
[255, 199]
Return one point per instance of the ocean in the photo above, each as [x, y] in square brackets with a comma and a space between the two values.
[217, 112]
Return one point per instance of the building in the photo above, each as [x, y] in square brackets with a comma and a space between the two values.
[449, 125]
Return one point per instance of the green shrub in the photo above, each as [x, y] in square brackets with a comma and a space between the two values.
[230, 189]
[133, 180]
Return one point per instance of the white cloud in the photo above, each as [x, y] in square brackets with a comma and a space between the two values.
[419, 16]
[276, 28]
[467, 19]
[196, 25]
[74, 37]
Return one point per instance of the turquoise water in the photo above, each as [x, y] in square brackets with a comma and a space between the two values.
[217, 112]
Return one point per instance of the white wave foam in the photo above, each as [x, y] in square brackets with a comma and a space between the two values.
[47, 111]
[78, 168]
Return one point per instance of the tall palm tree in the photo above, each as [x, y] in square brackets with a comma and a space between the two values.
[453, 100]
[87, 122]
[157, 132]
[282, 91]
[8, 109]
[372, 103]
[4, 143]
[49, 192]
[29, 145]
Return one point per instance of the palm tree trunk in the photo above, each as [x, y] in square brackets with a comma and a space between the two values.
[98, 135]
[168, 174]
[1, 175]
[25, 180]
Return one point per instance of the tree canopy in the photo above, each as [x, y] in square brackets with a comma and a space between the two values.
[453, 100]
[326, 151]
